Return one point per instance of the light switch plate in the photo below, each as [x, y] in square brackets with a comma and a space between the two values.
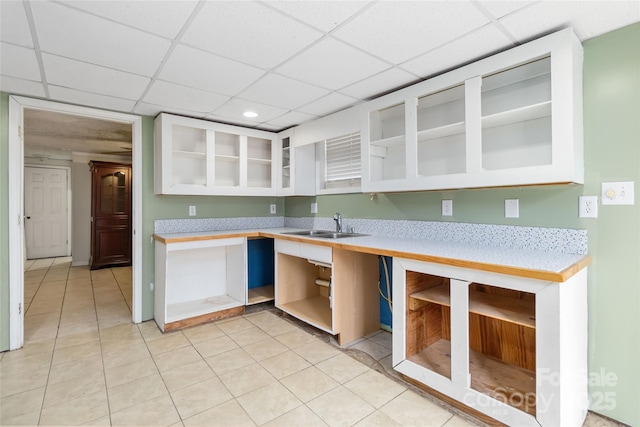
[617, 193]
[512, 208]
[447, 208]
[588, 207]
[192, 211]
[314, 207]
[272, 208]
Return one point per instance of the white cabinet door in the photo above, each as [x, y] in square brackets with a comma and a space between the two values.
[199, 157]
[511, 119]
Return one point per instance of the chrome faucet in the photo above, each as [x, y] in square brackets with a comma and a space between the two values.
[338, 219]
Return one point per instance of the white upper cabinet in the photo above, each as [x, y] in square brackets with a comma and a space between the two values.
[511, 119]
[199, 157]
[296, 165]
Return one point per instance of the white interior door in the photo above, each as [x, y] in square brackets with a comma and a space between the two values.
[46, 212]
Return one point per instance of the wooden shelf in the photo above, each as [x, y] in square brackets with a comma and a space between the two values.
[488, 374]
[530, 112]
[441, 131]
[314, 310]
[185, 310]
[518, 311]
[260, 294]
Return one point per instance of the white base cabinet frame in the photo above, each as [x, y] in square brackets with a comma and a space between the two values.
[198, 278]
[561, 373]
[511, 119]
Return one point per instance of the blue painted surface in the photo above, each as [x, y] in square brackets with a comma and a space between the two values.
[260, 259]
[385, 312]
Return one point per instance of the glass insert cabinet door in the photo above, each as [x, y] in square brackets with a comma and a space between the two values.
[113, 192]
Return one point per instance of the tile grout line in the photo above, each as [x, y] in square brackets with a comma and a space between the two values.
[104, 369]
[55, 339]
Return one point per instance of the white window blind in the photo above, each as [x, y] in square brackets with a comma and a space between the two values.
[342, 161]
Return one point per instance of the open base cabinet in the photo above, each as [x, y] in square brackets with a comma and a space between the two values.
[331, 289]
[493, 342]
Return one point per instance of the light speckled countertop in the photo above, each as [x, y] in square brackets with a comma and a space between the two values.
[523, 263]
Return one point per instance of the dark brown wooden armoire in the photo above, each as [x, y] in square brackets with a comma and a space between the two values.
[110, 214]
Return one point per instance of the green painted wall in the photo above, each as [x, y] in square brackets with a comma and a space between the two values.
[484, 206]
[612, 153]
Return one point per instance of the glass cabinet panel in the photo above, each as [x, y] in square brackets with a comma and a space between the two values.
[113, 193]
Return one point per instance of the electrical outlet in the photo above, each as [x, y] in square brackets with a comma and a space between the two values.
[512, 208]
[314, 207]
[617, 193]
[272, 208]
[588, 207]
[447, 207]
[192, 211]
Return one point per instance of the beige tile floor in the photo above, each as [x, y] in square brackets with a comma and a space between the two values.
[85, 363]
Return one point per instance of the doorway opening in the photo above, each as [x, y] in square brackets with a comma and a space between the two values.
[125, 282]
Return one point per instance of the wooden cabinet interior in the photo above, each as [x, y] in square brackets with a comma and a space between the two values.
[502, 339]
[340, 297]
[299, 295]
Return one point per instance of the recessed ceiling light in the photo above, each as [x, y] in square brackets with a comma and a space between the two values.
[250, 114]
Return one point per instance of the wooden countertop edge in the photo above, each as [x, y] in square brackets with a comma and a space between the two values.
[552, 276]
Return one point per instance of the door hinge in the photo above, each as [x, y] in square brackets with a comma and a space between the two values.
[20, 131]
[19, 308]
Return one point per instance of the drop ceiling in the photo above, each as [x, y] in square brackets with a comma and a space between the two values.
[289, 61]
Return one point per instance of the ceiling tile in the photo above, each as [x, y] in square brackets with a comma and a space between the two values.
[146, 109]
[68, 32]
[14, 27]
[385, 81]
[248, 32]
[332, 64]
[21, 87]
[588, 18]
[324, 15]
[92, 78]
[195, 68]
[475, 45]
[94, 100]
[234, 109]
[282, 92]
[175, 96]
[292, 118]
[330, 103]
[165, 18]
[236, 122]
[398, 31]
[499, 8]
[19, 62]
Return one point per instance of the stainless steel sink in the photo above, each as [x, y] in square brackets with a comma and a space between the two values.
[323, 234]
[308, 232]
[337, 235]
